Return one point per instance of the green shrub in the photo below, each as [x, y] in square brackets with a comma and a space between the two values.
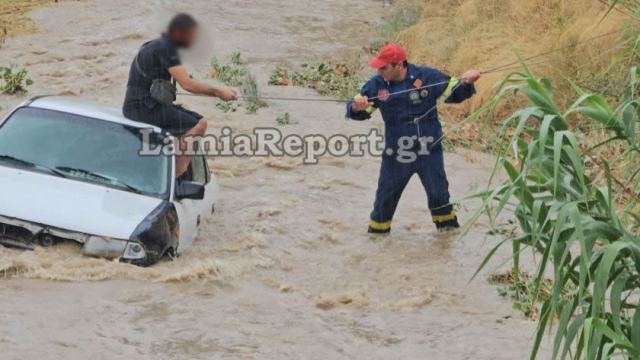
[338, 80]
[280, 77]
[520, 288]
[227, 106]
[235, 59]
[230, 74]
[585, 231]
[251, 95]
[235, 74]
[14, 81]
[283, 119]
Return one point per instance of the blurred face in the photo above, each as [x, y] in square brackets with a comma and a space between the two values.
[185, 38]
[392, 72]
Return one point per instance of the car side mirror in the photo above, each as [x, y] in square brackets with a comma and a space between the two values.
[189, 190]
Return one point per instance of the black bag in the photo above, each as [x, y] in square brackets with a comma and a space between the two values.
[162, 91]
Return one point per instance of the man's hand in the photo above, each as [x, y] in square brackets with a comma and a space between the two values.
[471, 76]
[227, 94]
[361, 103]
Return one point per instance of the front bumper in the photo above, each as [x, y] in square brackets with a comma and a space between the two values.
[26, 235]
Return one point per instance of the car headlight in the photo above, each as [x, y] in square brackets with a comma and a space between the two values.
[133, 251]
[104, 247]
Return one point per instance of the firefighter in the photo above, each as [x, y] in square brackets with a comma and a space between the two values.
[406, 95]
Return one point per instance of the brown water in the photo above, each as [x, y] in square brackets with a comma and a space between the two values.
[285, 270]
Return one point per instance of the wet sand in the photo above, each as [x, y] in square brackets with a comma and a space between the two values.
[285, 270]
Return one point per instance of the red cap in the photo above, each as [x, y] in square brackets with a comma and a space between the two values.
[390, 54]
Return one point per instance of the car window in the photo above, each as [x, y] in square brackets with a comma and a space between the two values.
[199, 169]
[84, 149]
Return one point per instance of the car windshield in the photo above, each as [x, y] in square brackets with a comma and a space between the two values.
[81, 148]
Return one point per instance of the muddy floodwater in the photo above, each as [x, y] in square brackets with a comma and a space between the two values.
[285, 269]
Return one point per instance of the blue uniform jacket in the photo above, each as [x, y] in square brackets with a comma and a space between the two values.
[400, 111]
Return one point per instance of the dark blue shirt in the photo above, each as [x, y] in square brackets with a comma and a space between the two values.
[155, 58]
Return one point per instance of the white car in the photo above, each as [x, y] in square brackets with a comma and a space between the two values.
[71, 169]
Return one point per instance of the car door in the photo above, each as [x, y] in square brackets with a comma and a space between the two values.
[191, 212]
[202, 175]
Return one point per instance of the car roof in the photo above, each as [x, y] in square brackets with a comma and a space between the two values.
[84, 107]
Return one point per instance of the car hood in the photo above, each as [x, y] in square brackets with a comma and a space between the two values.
[72, 205]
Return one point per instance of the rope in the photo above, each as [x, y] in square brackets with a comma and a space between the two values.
[271, 98]
[506, 67]
[501, 68]
[321, 99]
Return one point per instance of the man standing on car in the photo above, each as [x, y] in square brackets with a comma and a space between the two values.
[159, 59]
[407, 95]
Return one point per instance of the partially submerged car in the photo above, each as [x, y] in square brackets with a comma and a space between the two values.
[71, 169]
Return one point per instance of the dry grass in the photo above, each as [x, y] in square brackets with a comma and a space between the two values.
[456, 35]
[13, 17]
